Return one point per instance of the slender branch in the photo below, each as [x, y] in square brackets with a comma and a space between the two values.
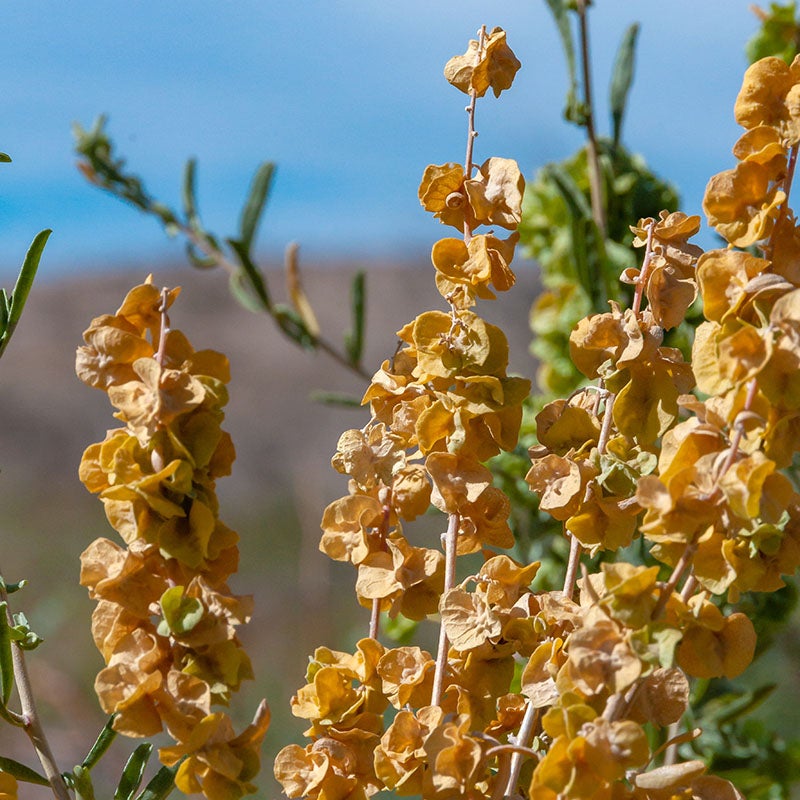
[575, 548]
[571, 574]
[162, 339]
[522, 746]
[375, 616]
[206, 247]
[450, 539]
[29, 716]
[472, 133]
[592, 158]
[644, 275]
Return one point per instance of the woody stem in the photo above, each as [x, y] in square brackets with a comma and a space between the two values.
[450, 539]
[471, 132]
[28, 718]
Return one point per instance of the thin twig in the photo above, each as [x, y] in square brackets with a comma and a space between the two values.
[522, 746]
[450, 540]
[202, 244]
[29, 716]
[592, 158]
[472, 133]
[644, 274]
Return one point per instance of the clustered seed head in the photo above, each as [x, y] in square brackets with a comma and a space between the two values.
[165, 621]
[595, 679]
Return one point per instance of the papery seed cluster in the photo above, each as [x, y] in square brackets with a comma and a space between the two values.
[553, 694]
[166, 620]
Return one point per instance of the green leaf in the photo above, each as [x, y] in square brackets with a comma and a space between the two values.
[242, 292]
[189, 201]
[180, 613]
[574, 110]
[779, 34]
[162, 783]
[6, 661]
[622, 78]
[133, 772]
[10, 588]
[21, 772]
[254, 207]
[102, 743]
[291, 323]
[251, 273]
[354, 339]
[22, 634]
[335, 399]
[198, 259]
[82, 783]
[4, 309]
[23, 285]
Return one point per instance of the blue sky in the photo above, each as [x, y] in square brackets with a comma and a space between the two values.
[347, 96]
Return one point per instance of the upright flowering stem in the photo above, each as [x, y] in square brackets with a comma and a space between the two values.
[471, 132]
[641, 283]
[449, 581]
[28, 718]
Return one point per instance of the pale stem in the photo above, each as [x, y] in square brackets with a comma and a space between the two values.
[592, 158]
[689, 588]
[574, 545]
[29, 716]
[375, 616]
[669, 587]
[162, 339]
[522, 741]
[450, 539]
[471, 132]
[572, 566]
[374, 619]
[644, 275]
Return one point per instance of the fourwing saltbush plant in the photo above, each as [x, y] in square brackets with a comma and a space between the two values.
[581, 691]
[665, 471]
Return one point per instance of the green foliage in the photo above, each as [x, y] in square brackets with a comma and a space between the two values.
[779, 34]
[248, 284]
[580, 269]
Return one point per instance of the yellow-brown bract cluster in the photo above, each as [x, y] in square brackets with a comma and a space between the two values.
[166, 620]
[600, 677]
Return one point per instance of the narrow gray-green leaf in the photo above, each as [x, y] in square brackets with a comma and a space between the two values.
[252, 272]
[6, 661]
[21, 772]
[102, 743]
[132, 774]
[3, 311]
[254, 207]
[622, 78]
[242, 292]
[23, 285]
[560, 12]
[354, 340]
[199, 260]
[189, 201]
[82, 784]
[162, 783]
[292, 324]
[335, 399]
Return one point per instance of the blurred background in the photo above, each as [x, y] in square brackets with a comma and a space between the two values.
[348, 98]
